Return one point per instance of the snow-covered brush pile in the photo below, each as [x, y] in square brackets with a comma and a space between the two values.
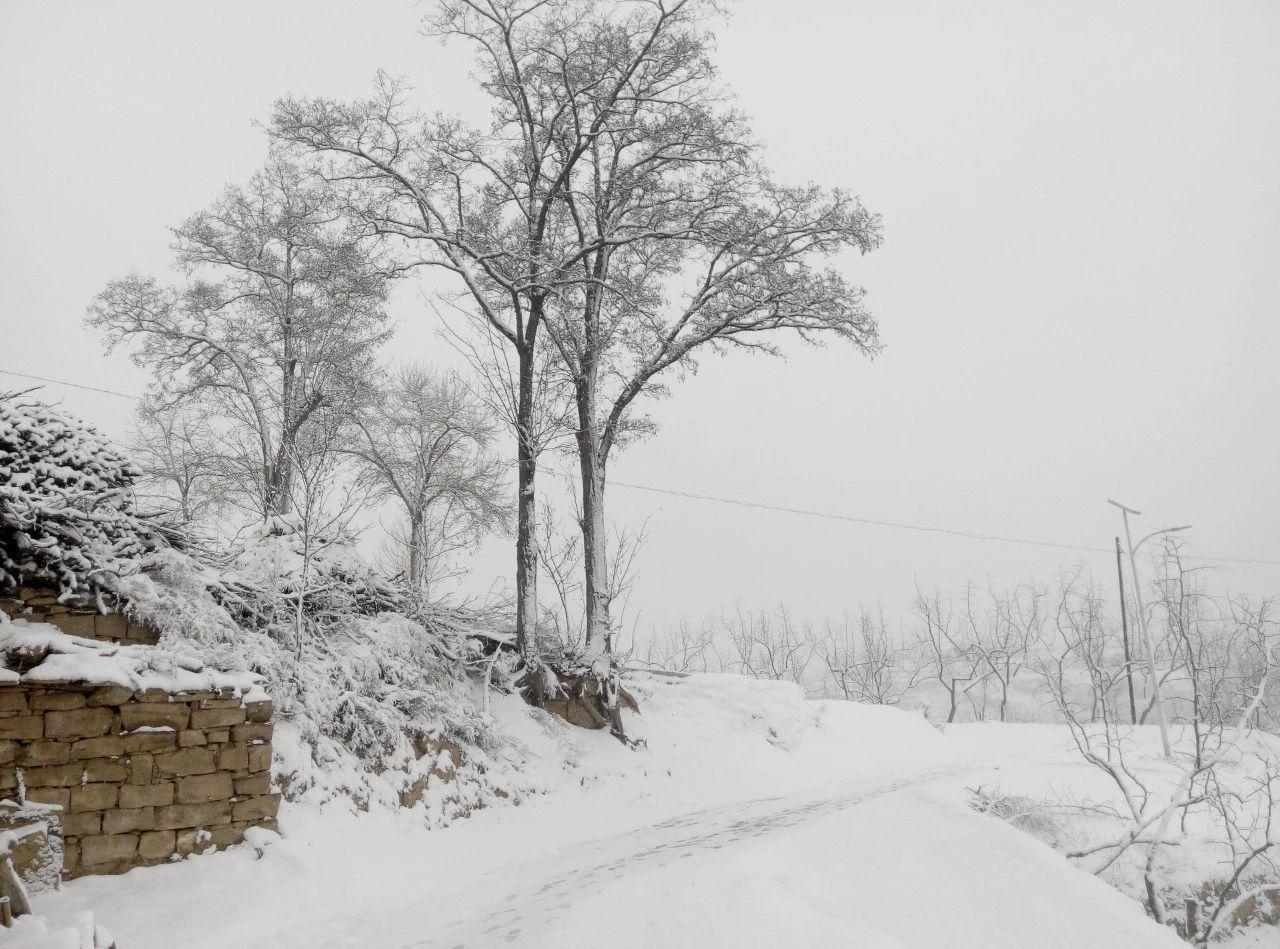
[367, 698]
[373, 698]
[67, 516]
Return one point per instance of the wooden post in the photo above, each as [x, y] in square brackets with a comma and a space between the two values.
[6, 912]
[1193, 909]
[1124, 629]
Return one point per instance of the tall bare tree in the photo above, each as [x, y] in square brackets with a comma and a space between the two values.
[674, 237]
[612, 175]
[426, 442]
[276, 324]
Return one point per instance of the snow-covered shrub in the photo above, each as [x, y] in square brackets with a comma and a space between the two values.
[370, 685]
[67, 514]
[1037, 818]
[366, 682]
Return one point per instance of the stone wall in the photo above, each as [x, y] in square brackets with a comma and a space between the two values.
[136, 777]
[40, 605]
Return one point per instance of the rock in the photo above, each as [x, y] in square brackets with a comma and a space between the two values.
[54, 775]
[123, 820]
[257, 784]
[79, 825]
[105, 746]
[75, 624]
[146, 795]
[258, 712]
[57, 700]
[191, 739]
[105, 769]
[93, 797]
[22, 727]
[110, 695]
[260, 758]
[251, 733]
[227, 836]
[106, 848]
[233, 757]
[44, 752]
[142, 769]
[136, 715]
[256, 807]
[185, 761]
[178, 816]
[58, 796]
[80, 723]
[111, 626]
[217, 717]
[205, 787]
[150, 741]
[156, 844]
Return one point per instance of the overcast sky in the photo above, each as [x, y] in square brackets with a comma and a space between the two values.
[1078, 291]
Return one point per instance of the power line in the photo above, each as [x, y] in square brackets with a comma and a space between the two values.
[783, 509]
[73, 385]
[899, 525]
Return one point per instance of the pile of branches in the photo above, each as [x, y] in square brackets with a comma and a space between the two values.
[67, 513]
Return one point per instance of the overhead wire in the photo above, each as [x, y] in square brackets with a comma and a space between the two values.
[785, 509]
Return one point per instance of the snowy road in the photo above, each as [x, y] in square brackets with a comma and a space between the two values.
[538, 906]
[770, 822]
[881, 864]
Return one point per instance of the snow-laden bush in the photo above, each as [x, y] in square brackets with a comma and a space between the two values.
[67, 516]
[367, 696]
[371, 687]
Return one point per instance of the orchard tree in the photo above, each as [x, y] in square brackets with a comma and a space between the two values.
[273, 331]
[615, 204]
[426, 442]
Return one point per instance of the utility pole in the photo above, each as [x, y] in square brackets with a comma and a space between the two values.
[1124, 631]
[1142, 619]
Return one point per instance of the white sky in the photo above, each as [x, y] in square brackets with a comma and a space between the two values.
[1079, 288]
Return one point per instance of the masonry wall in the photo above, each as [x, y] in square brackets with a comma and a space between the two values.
[136, 777]
[40, 605]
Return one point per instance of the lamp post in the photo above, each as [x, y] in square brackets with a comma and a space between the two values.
[1142, 618]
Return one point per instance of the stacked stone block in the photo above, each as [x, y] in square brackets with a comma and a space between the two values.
[138, 776]
[40, 605]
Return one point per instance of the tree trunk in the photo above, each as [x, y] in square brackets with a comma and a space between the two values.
[526, 512]
[416, 564]
[595, 555]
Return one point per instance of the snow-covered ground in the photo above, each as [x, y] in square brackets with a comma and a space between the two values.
[751, 818]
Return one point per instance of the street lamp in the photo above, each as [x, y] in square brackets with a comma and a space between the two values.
[1142, 617]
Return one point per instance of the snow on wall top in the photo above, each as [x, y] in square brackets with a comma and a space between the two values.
[39, 653]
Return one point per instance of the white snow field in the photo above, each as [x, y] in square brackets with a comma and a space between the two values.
[752, 819]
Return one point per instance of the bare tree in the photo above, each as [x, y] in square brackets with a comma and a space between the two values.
[1146, 815]
[768, 645]
[177, 453]
[674, 237]
[426, 442]
[868, 665]
[950, 659]
[1002, 633]
[613, 175]
[277, 323]
[560, 554]
[683, 649]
